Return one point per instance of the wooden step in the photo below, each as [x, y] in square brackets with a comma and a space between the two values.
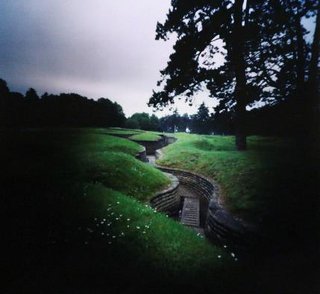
[191, 212]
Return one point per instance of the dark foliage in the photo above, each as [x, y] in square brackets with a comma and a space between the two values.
[143, 121]
[64, 110]
[266, 57]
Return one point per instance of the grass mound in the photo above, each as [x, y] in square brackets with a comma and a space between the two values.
[121, 131]
[145, 136]
[123, 173]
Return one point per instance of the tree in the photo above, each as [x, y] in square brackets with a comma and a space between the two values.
[201, 120]
[199, 26]
[258, 52]
[31, 95]
[144, 121]
[184, 123]
[132, 123]
[4, 90]
[70, 110]
[154, 123]
[4, 95]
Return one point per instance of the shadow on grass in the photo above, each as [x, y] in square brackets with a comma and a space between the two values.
[43, 205]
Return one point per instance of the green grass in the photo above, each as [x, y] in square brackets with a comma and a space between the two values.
[159, 241]
[77, 219]
[121, 131]
[145, 136]
[57, 187]
[269, 175]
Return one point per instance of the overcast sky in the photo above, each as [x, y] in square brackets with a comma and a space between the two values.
[97, 48]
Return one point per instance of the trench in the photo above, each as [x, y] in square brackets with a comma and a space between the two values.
[195, 204]
[192, 208]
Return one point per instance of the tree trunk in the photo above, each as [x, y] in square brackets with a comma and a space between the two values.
[298, 101]
[240, 129]
[313, 102]
[313, 70]
[237, 57]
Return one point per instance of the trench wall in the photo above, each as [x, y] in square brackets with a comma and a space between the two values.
[153, 146]
[142, 155]
[168, 200]
[220, 225]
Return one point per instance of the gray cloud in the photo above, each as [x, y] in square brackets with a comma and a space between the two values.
[97, 48]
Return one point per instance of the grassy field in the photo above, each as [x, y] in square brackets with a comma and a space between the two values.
[77, 217]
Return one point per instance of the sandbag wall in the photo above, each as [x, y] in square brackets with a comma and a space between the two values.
[142, 155]
[152, 146]
[219, 225]
[168, 200]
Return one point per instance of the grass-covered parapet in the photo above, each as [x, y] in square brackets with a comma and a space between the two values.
[122, 131]
[145, 136]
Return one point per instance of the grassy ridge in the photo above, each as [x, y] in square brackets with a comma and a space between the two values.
[146, 136]
[120, 131]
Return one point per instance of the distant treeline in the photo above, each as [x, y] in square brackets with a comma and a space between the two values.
[73, 110]
[69, 110]
[276, 120]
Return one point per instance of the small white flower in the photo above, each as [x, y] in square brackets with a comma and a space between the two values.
[102, 233]
[138, 227]
[219, 256]
[113, 236]
[118, 202]
[232, 254]
[128, 219]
